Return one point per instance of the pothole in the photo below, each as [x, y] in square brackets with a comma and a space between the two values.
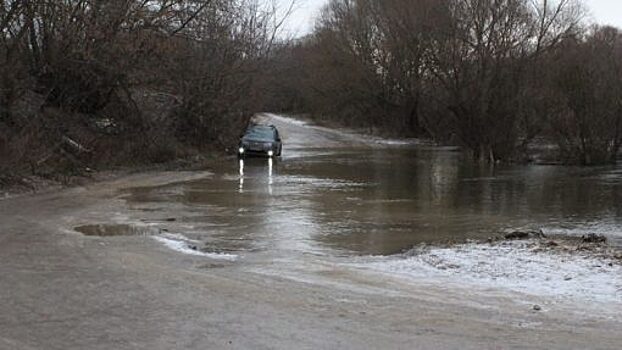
[104, 230]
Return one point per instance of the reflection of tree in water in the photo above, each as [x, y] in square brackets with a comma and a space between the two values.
[416, 196]
[443, 179]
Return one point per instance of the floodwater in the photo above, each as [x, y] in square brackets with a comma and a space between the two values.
[341, 194]
[113, 230]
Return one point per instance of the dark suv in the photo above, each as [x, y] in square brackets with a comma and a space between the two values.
[260, 140]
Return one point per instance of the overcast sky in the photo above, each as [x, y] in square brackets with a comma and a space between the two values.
[606, 11]
[301, 21]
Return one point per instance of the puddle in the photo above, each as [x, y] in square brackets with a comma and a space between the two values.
[104, 230]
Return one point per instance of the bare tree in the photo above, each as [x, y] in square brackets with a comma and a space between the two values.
[12, 46]
[368, 62]
[482, 62]
[588, 126]
[181, 74]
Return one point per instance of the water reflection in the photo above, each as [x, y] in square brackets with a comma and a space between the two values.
[386, 201]
[257, 164]
[241, 188]
[270, 179]
[413, 196]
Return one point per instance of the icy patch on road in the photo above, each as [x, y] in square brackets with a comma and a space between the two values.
[182, 244]
[516, 266]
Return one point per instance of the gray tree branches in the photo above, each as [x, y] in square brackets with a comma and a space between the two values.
[484, 74]
[145, 80]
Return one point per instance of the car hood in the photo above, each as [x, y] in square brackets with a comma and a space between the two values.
[247, 139]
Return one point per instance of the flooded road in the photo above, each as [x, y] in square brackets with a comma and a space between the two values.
[342, 194]
[303, 253]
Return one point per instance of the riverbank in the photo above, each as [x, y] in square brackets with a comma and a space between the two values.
[559, 270]
[12, 185]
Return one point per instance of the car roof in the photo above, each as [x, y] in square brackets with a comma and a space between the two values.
[265, 130]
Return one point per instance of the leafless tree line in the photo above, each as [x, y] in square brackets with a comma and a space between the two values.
[127, 80]
[489, 75]
[115, 81]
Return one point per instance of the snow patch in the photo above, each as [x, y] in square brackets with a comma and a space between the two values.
[511, 265]
[180, 244]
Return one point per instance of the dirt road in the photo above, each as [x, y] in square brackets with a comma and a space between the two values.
[60, 289]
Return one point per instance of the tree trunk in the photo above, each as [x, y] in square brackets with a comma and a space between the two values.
[413, 119]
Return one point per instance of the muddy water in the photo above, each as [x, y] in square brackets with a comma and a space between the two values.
[333, 193]
[113, 230]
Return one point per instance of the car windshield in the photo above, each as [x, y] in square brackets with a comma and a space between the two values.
[260, 134]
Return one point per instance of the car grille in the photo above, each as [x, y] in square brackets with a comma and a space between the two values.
[258, 146]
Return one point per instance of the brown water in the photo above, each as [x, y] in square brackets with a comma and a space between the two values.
[338, 194]
[112, 230]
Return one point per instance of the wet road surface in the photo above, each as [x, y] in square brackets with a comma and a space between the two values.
[267, 256]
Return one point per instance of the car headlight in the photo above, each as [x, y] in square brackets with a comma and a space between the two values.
[270, 153]
[241, 150]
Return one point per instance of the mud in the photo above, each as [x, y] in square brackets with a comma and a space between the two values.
[105, 230]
